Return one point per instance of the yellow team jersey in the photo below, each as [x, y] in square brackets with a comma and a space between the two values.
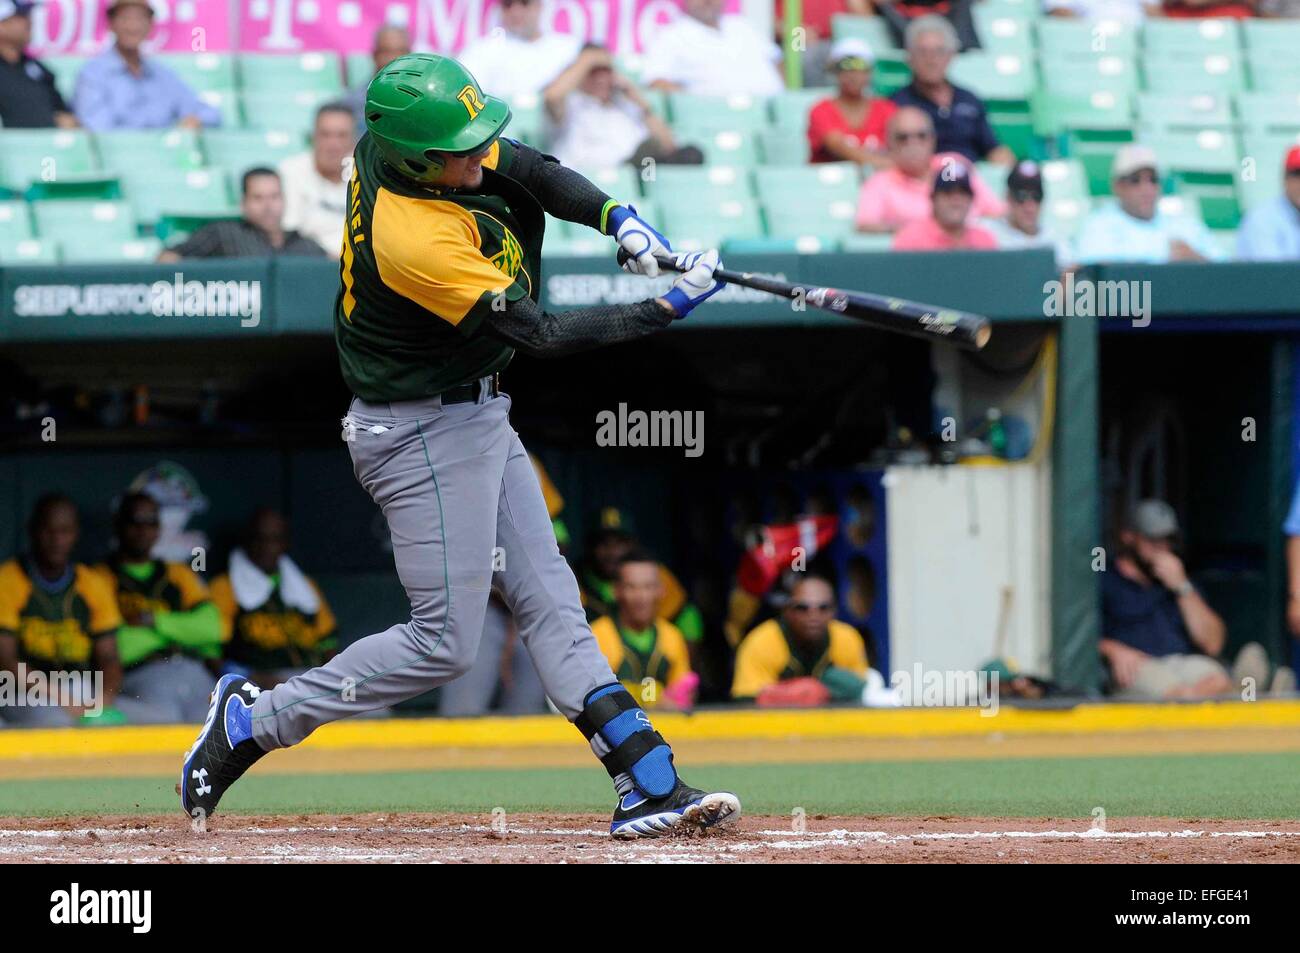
[274, 635]
[665, 662]
[173, 587]
[765, 657]
[56, 630]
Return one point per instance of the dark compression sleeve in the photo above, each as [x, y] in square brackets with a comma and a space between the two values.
[539, 333]
[566, 194]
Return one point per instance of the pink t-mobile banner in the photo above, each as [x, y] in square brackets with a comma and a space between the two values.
[80, 28]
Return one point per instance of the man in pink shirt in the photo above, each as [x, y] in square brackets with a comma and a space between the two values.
[947, 227]
[900, 195]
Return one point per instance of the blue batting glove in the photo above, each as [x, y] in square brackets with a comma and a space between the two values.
[639, 239]
[696, 283]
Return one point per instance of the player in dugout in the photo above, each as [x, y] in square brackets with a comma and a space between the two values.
[441, 275]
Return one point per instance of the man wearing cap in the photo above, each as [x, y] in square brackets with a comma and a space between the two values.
[121, 89]
[947, 228]
[1022, 226]
[1271, 232]
[850, 126]
[901, 194]
[1159, 638]
[1133, 228]
[707, 53]
[29, 98]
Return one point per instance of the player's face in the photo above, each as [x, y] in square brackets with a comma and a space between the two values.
[263, 202]
[55, 535]
[332, 141]
[951, 208]
[463, 172]
[132, 26]
[637, 592]
[810, 610]
[139, 531]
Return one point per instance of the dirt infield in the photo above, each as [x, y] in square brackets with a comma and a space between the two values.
[557, 838]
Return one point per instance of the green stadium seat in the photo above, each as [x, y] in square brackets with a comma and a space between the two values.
[873, 30]
[28, 251]
[706, 183]
[1199, 37]
[1024, 9]
[1096, 149]
[1070, 39]
[1272, 36]
[149, 150]
[890, 76]
[1260, 177]
[578, 247]
[722, 146]
[174, 227]
[691, 216]
[790, 108]
[1206, 150]
[1216, 192]
[85, 251]
[783, 147]
[775, 245]
[65, 70]
[791, 216]
[316, 72]
[1161, 111]
[527, 121]
[1225, 240]
[1065, 215]
[225, 102]
[295, 112]
[1005, 76]
[153, 193]
[1269, 112]
[238, 150]
[1270, 73]
[1180, 206]
[622, 182]
[84, 218]
[1056, 112]
[204, 72]
[824, 181]
[15, 220]
[864, 242]
[1110, 72]
[1176, 72]
[1001, 33]
[43, 155]
[1013, 123]
[1064, 179]
[744, 113]
[359, 69]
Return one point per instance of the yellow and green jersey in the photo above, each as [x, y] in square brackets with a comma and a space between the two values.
[769, 655]
[657, 653]
[56, 627]
[421, 269]
[184, 618]
[273, 635]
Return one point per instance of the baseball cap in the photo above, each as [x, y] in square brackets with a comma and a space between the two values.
[850, 53]
[1154, 519]
[14, 8]
[953, 176]
[1025, 181]
[1292, 163]
[1134, 158]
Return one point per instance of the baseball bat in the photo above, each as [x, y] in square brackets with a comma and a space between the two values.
[960, 328]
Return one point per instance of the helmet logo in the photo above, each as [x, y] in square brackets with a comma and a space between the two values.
[469, 98]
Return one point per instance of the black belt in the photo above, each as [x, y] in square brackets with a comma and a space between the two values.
[472, 392]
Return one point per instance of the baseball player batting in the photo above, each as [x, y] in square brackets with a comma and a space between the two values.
[440, 279]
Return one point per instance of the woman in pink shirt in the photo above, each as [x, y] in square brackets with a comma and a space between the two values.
[947, 227]
[850, 127]
[900, 195]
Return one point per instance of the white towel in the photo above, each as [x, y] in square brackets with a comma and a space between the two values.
[253, 587]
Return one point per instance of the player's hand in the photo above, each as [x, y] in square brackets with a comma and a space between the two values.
[696, 283]
[639, 239]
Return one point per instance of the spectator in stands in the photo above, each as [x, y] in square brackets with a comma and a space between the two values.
[258, 233]
[1285, 9]
[170, 625]
[646, 652]
[1271, 232]
[708, 53]
[520, 58]
[275, 621]
[804, 657]
[29, 98]
[947, 228]
[901, 193]
[1133, 228]
[315, 191]
[901, 14]
[816, 19]
[1124, 11]
[1237, 9]
[599, 118]
[390, 43]
[851, 125]
[961, 124]
[58, 615]
[1023, 227]
[121, 89]
[1159, 638]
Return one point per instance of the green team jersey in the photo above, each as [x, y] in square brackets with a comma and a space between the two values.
[421, 269]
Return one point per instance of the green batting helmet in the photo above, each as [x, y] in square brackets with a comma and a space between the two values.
[421, 104]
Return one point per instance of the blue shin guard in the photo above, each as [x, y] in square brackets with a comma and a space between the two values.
[635, 748]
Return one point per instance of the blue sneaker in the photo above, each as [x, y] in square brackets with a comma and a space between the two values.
[640, 816]
[224, 750]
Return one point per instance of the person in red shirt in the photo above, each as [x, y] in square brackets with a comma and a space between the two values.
[946, 229]
[850, 126]
[1188, 9]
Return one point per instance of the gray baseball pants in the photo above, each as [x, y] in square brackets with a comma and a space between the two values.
[467, 517]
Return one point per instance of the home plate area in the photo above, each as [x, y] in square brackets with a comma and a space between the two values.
[581, 838]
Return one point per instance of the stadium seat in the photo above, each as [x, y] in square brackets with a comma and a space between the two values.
[1278, 37]
[28, 251]
[743, 113]
[149, 150]
[359, 69]
[1096, 150]
[65, 70]
[1109, 72]
[1263, 156]
[527, 121]
[1023, 9]
[824, 181]
[622, 182]
[873, 30]
[295, 112]
[1215, 192]
[1180, 206]
[793, 215]
[1064, 179]
[15, 220]
[866, 242]
[1270, 73]
[1064, 215]
[1002, 33]
[1070, 39]
[1198, 37]
[1269, 112]
[1056, 112]
[722, 146]
[154, 193]
[790, 108]
[176, 226]
[77, 250]
[783, 146]
[703, 183]
[204, 72]
[1013, 122]
[1206, 150]
[1175, 72]
[1161, 111]
[316, 72]
[43, 155]
[578, 247]
[225, 102]
[695, 217]
[995, 75]
[84, 219]
[775, 245]
[238, 150]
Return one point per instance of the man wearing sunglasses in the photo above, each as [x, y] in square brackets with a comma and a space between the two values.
[441, 275]
[1133, 229]
[804, 657]
[170, 626]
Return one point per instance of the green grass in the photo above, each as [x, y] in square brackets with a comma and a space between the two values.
[1208, 786]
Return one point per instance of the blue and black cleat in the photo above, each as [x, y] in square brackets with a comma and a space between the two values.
[224, 750]
[685, 807]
